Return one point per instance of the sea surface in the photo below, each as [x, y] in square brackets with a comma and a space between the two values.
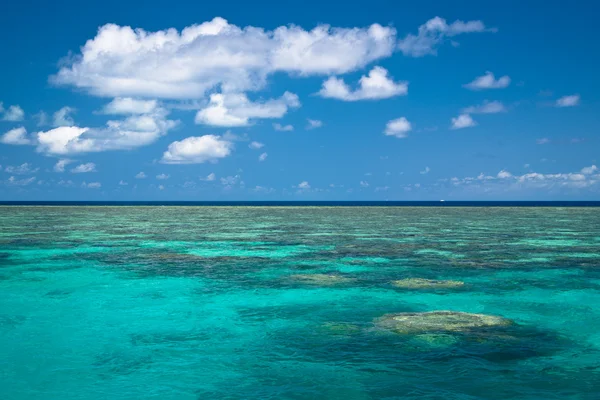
[151, 302]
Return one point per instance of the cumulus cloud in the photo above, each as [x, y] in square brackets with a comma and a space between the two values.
[63, 117]
[488, 81]
[304, 185]
[568, 101]
[589, 170]
[61, 164]
[231, 110]
[364, 184]
[140, 175]
[487, 107]
[314, 123]
[122, 61]
[463, 121]
[131, 132]
[123, 183]
[398, 127]
[83, 168]
[435, 32]
[197, 150]
[17, 136]
[262, 157]
[13, 114]
[23, 169]
[504, 174]
[162, 176]
[283, 128]
[376, 85]
[128, 105]
[425, 171]
[256, 145]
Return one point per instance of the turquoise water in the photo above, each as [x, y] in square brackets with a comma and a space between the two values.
[287, 302]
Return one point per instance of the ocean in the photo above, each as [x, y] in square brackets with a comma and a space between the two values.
[282, 301]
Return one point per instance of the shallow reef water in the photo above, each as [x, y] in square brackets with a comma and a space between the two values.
[299, 302]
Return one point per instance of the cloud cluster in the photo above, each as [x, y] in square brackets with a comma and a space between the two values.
[586, 177]
[122, 61]
[375, 85]
[128, 133]
[435, 32]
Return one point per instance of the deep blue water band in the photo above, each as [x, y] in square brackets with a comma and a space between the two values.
[313, 203]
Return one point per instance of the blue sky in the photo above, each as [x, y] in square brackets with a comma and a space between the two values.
[299, 101]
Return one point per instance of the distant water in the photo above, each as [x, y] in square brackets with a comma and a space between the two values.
[287, 302]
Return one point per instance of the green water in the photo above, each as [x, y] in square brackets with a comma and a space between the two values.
[284, 303]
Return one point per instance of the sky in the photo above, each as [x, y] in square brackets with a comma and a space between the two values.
[278, 100]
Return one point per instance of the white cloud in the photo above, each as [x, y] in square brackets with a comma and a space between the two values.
[61, 164]
[13, 114]
[210, 177]
[91, 185]
[140, 175]
[162, 176]
[425, 171]
[488, 81]
[568, 101]
[84, 168]
[161, 187]
[304, 185]
[256, 145]
[232, 110]
[123, 183]
[382, 188]
[262, 157]
[364, 183]
[131, 132]
[398, 127]
[376, 85]
[589, 170]
[23, 169]
[463, 121]
[433, 33]
[283, 128]
[542, 141]
[504, 174]
[17, 136]
[314, 123]
[197, 150]
[63, 118]
[487, 107]
[121, 61]
[128, 105]
[20, 182]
